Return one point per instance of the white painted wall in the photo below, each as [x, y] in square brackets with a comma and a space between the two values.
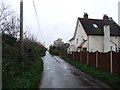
[119, 41]
[114, 42]
[72, 46]
[107, 46]
[80, 35]
[95, 43]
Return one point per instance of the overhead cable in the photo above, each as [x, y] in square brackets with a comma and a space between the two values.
[38, 21]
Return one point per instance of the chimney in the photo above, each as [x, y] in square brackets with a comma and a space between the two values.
[85, 15]
[105, 17]
[107, 47]
[110, 18]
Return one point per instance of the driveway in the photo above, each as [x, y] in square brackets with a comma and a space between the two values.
[59, 74]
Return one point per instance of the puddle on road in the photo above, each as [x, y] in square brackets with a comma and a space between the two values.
[76, 74]
[84, 79]
[70, 69]
[56, 60]
[51, 71]
[47, 68]
[65, 74]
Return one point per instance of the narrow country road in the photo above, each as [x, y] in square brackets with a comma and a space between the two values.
[59, 74]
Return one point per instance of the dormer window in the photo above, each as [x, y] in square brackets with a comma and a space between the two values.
[95, 25]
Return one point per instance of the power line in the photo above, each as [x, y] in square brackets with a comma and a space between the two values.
[38, 20]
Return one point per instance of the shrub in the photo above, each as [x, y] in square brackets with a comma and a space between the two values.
[12, 68]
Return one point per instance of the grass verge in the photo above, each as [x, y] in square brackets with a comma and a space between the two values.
[110, 79]
[29, 79]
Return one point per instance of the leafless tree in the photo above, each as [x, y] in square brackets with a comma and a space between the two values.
[9, 22]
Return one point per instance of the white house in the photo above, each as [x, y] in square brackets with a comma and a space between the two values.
[93, 35]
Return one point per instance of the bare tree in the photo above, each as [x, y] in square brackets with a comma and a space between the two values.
[4, 12]
[9, 22]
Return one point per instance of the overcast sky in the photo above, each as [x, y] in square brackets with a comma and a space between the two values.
[58, 17]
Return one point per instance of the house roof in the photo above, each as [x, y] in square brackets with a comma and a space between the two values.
[71, 39]
[95, 26]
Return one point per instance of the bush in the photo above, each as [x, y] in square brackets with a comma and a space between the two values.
[12, 68]
[29, 79]
[54, 50]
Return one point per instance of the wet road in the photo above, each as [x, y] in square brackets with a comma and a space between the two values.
[59, 74]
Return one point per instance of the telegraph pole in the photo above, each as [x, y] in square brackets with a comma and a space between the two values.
[21, 30]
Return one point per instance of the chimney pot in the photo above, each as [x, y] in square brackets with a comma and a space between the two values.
[105, 17]
[85, 15]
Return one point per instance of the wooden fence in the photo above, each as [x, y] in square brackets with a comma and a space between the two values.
[109, 61]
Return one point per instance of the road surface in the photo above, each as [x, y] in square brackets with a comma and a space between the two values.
[59, 74]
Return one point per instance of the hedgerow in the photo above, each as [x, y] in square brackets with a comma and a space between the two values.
[13, 68]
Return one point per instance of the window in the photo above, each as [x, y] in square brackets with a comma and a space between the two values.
[84, 49]
[111, 48]
[118, 49]
[95, 25]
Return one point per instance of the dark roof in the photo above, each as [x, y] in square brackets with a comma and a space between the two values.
[71, 39]
[91, 30]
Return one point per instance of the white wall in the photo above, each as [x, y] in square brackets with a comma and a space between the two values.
[72, 46]
[80, 35]
[95, 43]
[107, 46]
[119, 41]
[115, 40]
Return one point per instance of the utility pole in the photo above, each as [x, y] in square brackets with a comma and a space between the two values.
[21, 30]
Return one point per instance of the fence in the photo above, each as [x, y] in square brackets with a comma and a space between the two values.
[109, 61]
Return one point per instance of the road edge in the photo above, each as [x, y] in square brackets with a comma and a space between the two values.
[99, 82]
